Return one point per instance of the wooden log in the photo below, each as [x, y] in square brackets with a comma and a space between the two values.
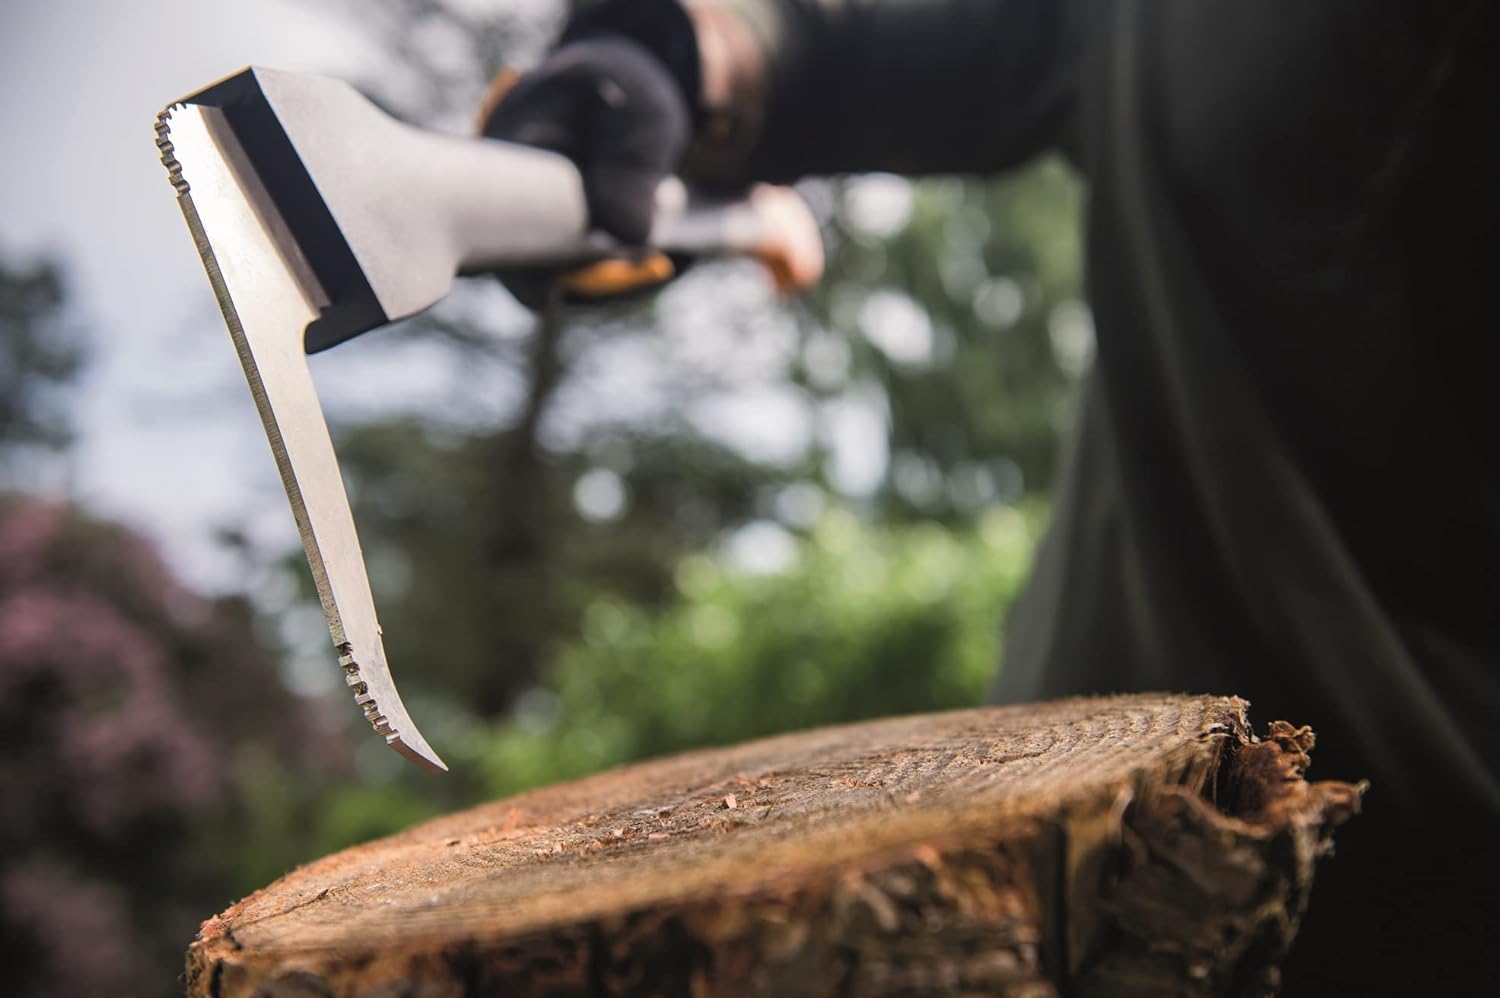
[1124, 845]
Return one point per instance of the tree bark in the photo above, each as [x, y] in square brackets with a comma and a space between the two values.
[1113, 846]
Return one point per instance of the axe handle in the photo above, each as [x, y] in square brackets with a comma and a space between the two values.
[510, 205]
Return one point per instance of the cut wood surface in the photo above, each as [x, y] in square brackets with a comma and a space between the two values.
[1124, 845]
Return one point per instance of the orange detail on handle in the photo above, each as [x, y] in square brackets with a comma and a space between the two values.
[619, 275]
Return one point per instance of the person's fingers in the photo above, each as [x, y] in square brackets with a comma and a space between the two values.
[791, 247]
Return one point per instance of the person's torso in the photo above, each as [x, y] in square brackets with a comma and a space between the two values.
[1286, 485]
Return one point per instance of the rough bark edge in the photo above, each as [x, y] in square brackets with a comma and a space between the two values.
[1203, 892]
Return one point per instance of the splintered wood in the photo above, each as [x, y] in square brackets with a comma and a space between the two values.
[1122, 845]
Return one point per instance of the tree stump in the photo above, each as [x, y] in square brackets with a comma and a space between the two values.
[1124, 845]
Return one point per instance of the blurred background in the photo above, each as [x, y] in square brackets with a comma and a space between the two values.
[626, 532]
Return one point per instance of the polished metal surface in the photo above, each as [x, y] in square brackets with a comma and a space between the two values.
[268, 296]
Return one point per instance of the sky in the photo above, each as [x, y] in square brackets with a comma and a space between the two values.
[168, 437]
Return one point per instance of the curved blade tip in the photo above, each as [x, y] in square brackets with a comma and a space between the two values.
[418, 751]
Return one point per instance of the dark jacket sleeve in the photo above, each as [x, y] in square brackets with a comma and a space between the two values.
[910, 86]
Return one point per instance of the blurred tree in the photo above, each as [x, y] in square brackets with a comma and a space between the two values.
[124, 700]
[485, 553]
[956, 301]
[40, 354]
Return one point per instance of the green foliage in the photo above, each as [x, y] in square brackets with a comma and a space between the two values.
[481, 559]
[985, 269]
[865, 622]
[482, 562]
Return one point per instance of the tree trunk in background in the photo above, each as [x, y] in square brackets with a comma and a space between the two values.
[1114, 846]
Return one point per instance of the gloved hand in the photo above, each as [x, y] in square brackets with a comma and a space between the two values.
[617, 110]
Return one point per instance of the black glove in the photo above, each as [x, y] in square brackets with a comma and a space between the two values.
[615, 110]
[615, 97]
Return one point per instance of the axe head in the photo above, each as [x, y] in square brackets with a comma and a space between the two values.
[291, 273]
[383, 214]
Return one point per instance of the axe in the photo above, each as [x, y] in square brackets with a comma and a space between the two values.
[319, 217]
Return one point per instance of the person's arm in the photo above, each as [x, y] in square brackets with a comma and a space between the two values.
[735, 91]
[796, 87]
